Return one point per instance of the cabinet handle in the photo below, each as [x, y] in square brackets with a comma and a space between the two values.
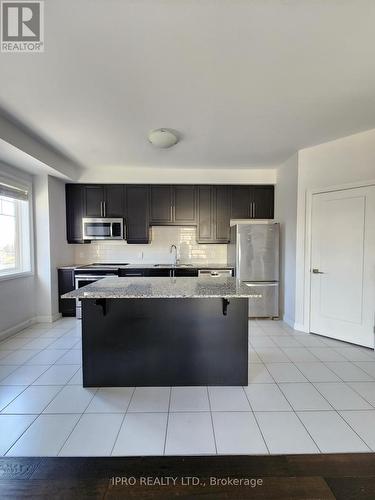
[101, 209]
[251, 210]
[104, 209]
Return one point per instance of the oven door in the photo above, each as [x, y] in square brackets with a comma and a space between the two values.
[102, 229]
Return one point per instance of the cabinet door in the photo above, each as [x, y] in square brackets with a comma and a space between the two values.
[240, 204]
[262, 202]
[161, 205]
[222, 214]
[67, 307]
[184, 212]
[186, 272]
[95, 198]
[159, 272]
[114, 200]
[137, 214]
[75, 210]
[205, 220]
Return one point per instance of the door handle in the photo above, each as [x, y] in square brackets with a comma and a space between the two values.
[316, 271]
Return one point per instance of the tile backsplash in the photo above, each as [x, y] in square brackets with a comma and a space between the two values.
[189, 251]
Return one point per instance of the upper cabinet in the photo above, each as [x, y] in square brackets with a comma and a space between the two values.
[262, 202]
[172, 205]
[137, 213]
[104, 200]
[75, 210]
[161, 210]
[209, 207]
[240, 202]
[252, 202]
[184, 205]
[213, 214]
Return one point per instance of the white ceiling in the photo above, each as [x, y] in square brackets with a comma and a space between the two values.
[247, 83]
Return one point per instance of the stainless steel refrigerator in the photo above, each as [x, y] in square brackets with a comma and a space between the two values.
[254, 252]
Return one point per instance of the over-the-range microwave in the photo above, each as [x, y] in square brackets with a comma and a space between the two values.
[103, 228]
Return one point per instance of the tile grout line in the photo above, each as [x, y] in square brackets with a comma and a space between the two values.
[19, 437]
[256, 421]
[122, 421]
[212, 419]
[79, 419]
[168, 414]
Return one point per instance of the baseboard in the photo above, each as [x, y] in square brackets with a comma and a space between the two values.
[50, 318]
[16, 328]
[289, 321]
[301, 328]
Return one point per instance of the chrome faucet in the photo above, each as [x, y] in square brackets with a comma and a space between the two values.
[175, 254]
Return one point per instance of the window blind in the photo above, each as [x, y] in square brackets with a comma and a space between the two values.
[14, 192]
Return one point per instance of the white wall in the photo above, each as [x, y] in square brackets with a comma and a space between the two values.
[43, 305]
[51, 248]
[146, 175]
[286, 214]
[16, 295]
[61, 253]
[336, 163]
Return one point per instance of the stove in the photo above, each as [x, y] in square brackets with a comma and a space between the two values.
[84, 275]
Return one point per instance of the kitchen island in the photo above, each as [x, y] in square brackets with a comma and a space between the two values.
[164, 331]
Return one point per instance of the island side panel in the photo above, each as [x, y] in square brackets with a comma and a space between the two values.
[164, 342]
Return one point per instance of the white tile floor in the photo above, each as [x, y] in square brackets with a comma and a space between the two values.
[306, 394]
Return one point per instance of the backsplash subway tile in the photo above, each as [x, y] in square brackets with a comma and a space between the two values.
[189, 251]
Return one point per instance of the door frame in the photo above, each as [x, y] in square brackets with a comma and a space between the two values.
[306, 326]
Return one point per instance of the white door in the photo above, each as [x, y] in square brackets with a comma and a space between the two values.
[343, 265]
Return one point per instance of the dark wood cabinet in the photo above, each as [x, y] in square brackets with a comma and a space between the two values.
[114, 199]
[252, 202]
[186, 272]
[157, 272]
[172, 205]
[240, 202]
[67, 307]
[209, 207]
[104, 200]
[75, 210]
[205, 225]
[221, 214]
[132, 273]
[94, 198]
[161, 205]
[137, 214]
[262, 202]
[213, 214]
[184, 205]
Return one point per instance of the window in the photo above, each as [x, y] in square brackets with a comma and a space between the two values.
[15, 241]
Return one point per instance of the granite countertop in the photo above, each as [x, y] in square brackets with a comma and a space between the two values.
[147, 288]
[172, 266]
[156, 266]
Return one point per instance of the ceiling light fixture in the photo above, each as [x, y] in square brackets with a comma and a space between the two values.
[162, 138]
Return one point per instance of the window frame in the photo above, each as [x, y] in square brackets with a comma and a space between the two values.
[26, 185]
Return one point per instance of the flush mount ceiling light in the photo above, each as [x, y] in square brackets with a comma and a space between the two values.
[162, 138]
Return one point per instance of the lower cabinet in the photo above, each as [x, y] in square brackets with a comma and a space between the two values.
[131, 273]
[185, 272]
[67, 307]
